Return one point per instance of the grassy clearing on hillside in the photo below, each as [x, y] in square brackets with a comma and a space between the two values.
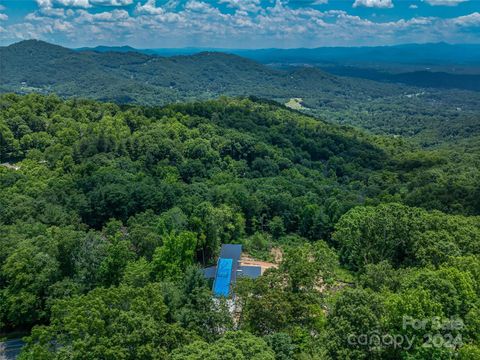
[295, 104]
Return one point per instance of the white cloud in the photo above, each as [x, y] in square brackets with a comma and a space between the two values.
[111, 2]
[63, 26]
[44, 3]
[115, 15]
[444, 2]
[53, 12]
[70, 3]
[149, 7]
[3, 17]
[413, 6]
[245, 5]
[374, 3]
[201, 23]
[199, 6]
[74, 3]
[472, 19]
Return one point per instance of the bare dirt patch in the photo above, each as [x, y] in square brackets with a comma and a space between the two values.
[262, 264]
[277, 255]
[247, 260]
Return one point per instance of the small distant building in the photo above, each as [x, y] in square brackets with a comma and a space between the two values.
[229, 267]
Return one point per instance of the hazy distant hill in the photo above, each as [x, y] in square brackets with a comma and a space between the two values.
[428, 65]
[428, 115]
[426, 54]
[122, 49]
[135, 77]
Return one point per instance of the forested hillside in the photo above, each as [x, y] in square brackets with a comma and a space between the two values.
[427, 115]
[406, 54]
[140, 78]
[108, 211]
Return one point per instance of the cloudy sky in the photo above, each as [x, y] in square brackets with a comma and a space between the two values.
[239, 23]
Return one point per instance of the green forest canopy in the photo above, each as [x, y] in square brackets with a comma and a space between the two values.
[428, 115]
[113, 208]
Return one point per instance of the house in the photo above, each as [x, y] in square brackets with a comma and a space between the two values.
[229, 268]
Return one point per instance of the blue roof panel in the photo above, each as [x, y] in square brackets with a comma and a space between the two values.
[221, 286]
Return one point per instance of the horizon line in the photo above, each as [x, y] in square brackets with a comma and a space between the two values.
[243, 49]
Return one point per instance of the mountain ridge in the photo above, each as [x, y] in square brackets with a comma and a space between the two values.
[428, 53]
[434, 115]
[438, 65]
[48, 67]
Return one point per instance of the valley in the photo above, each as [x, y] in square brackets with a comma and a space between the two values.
[271, 204]
[434, 117]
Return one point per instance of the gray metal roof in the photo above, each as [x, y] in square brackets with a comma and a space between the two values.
[209, 272]
[234, 252]
[251, 272]
[231, 251]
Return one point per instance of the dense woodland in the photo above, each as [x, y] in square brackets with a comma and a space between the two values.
[108, 212]
[429, 115]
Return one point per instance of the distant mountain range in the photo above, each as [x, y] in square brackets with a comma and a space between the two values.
[127, 76]
[427, 65]
[124, 74]
[429, 113]
[412, 54]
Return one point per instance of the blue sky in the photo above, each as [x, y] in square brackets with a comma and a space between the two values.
[239, 23]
